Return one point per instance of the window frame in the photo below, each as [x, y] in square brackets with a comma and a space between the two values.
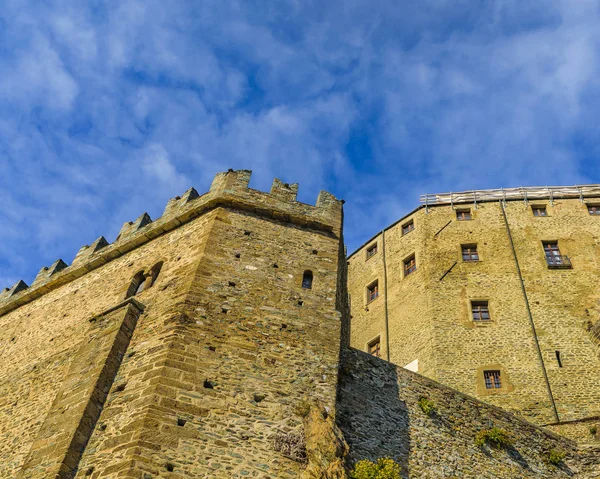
[373, 286]
[593, 207]
[371, 251]
[481, 307]
[376, 341]
[473, 255]
[408, 227]
[412, 261]
[495, 376]
[541, 208]
[460, 214]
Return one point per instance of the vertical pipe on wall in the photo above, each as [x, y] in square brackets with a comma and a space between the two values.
[385, 297]
[529, 315]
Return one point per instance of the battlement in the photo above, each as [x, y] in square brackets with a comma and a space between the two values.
[229, 189]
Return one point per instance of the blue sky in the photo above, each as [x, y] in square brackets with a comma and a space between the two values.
[108, 109]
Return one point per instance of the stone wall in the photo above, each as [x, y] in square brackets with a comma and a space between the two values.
[212, 378]
[429, 316]
[380, 416]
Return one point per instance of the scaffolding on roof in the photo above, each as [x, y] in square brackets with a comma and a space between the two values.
[528, 193]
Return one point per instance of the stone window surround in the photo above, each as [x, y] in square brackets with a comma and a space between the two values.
[408, 224]
[469, 245]
[374, 283]
[371, 250]
[458, 212]
[506, 385]
[407, 259]
[372, 342]
[537, 205]
[491, 309]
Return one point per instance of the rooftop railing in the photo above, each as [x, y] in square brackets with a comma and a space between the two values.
[530, 193]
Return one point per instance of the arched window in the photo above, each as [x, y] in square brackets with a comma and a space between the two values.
[307, 279]
[137, 285]
[154, 272]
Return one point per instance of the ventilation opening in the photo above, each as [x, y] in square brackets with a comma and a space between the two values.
[212, 348]
[120, 387]
[231, 283]
[275, 265]
[558, 359]
[314, 251]
[208, 384]
[247, 233]
[170, 467]
[89, 471]
[181, 422]
[300, 303]
[237, 255]
[102, 427]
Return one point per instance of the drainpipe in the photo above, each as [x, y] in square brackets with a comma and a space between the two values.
[385, 297]
[535, 337]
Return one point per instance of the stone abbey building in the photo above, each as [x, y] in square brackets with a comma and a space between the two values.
[495, 293]
[218, 341]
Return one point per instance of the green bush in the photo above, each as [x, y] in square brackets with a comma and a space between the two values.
[555, 457]
[495, 437]
[593, 430]
[427, 406]
[385, 468]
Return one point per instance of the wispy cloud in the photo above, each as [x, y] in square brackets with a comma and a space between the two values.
[378, 102]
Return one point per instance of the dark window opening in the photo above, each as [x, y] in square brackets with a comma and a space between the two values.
[307, 279]
[374, 347]
[558, 359]
[463, 215]
[154, 272]
[408, 227]
[137, 285]
[492, 379]
[372, 291]
[480, 310]
[410, 265]
[594, 210]
[371, 251]
[539, 211]
[469, 252]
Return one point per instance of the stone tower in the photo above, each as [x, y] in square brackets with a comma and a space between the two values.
[194, 346]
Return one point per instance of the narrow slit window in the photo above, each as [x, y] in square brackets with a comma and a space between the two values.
[154, 272]
[480, 311]
[137, 285]
[410, 265]
[307, 279]
[371, 251]
[408, 227]
[469, 252]
[492, 379]
[463, 215]
[372, 291]
[539, 210]
[558, 359]
[374, 347]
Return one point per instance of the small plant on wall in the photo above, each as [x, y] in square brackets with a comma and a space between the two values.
[427, 406]
[384, 468]
[495, 437]
[555, 457]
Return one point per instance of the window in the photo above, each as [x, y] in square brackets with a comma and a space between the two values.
[371, 250]
[137, 285]
[154, 272]
[469, 252]
[408, 227]
[539, 210]
[594, 210]
[558, 359]
[410, 265]
[492, 379]
[307, 279]
[480, 311]
[463, 215]
[374, 347]
[372, 291]
[553, 256]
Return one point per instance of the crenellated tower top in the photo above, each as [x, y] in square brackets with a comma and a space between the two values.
[229, 189]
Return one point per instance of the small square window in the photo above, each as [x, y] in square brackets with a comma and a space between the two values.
[492, 379]
[594, 210]
[410, 265]
[480, 310]
[469, 252]
[372, 291]
[539, 210]
[374, 347]
[372, 250]
[463, 215]
[408, 227]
